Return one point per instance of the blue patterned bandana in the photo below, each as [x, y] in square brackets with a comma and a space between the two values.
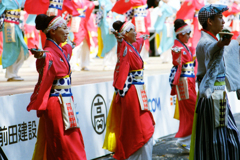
[209, 10]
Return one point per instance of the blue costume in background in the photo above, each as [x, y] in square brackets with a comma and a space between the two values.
[11, 50]
[107, 38]
[160, 26]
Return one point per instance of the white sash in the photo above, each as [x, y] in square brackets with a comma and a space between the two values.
[235, 26]
[182, 89]
[140, 24]
[75, 24]
[68, 112]
[52, 12]
[142, 96]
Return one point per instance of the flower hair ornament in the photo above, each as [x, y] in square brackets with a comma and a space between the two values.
[184, 29]
[54, 24]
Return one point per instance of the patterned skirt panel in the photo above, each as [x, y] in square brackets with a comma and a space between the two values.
[215, 143]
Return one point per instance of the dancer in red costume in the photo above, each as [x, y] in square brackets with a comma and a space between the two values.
[50, 7]
[52, 92]
[183, 83]
[136, 12]
[192, 7]
[136, 124]
[81, 54]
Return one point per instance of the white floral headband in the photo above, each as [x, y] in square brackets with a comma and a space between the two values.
[54, 24]
[126, 27]
[184, 29]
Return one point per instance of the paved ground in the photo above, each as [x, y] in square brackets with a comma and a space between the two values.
[165, 148]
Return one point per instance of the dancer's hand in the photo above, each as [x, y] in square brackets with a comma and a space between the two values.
[73, 43]
[36, 52]
[177, 49]
[144, 36]
[224, 41]
[117, 35]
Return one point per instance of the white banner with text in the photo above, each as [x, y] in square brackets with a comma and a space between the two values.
[18, 128]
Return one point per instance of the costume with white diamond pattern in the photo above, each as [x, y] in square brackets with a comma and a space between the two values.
[184, 63]
[137, 126]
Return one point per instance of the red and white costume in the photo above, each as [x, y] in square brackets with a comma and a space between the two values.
[183, 60]
[60, 143]
[85, 7]
[136, 125]
[140, 17]
[192, 7]
[47, 6]
[81, 36]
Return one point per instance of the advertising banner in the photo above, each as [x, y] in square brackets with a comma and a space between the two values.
[18, 128]
[162, 105]
[93, 102]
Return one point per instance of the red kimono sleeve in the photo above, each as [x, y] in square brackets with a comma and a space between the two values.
[190, 6]
[198, 4]
[176, 57]
[67, 50]
[122, 67]
[83, 29]
[69, 7]
[36, 6]
[234, 9]
[40, 96]
[177, 61]
[186, 6]
[122, 6]
[138, 44]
